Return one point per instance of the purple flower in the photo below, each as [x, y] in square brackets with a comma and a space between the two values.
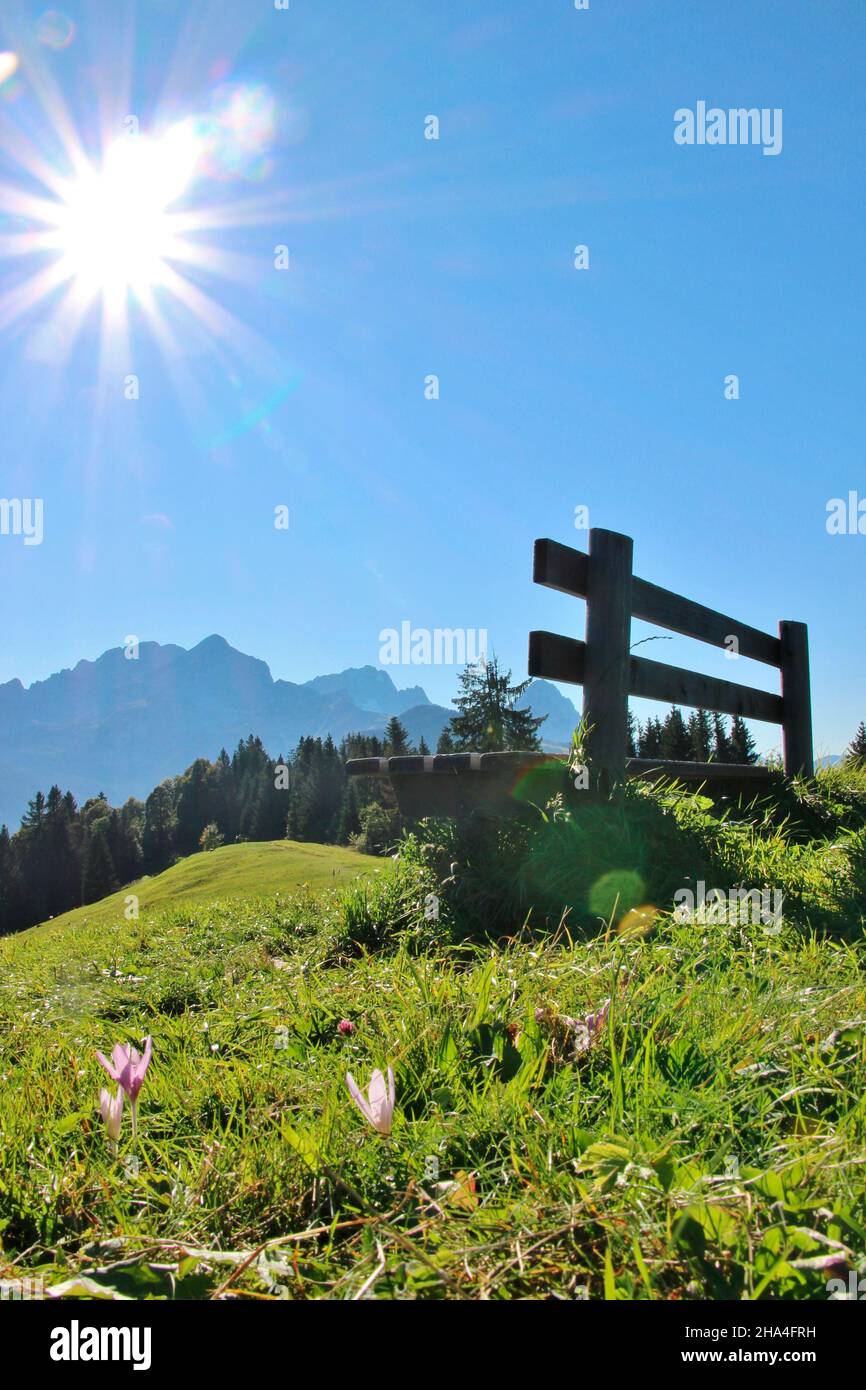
[378, 1105]
[128, 1069]
[345, 1027]
[111, 1112]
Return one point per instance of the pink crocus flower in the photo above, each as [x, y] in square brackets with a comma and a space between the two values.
[111, 1112]
[378, 1105]
[587, 1029]
[128, 1069]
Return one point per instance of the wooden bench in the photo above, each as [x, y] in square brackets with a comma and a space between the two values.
[456, 784]
[603, 663]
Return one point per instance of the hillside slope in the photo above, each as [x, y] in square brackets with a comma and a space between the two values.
[231, 872]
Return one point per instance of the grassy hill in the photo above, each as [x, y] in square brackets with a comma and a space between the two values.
[635, 1107]
[233, 871]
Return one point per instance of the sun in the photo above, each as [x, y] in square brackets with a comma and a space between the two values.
[114, 228]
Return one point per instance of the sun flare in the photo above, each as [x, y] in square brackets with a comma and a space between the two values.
[114, 228]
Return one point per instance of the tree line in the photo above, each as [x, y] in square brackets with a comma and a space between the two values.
[65, 855]
[701, 738]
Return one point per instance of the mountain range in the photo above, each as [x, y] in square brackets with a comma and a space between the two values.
[121, 726]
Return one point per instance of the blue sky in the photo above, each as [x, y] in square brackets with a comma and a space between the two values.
[409, 257]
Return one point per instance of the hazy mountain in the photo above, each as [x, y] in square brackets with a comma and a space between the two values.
[562, 716]
[371, 689]
[121, 726]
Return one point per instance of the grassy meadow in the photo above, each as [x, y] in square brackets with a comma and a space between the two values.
[232, 871]
[705, 1139]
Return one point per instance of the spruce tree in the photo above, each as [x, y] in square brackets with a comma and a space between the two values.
[650, 739]
[700, 736]
[98, 877]
[722, 751]
[675, 741]
[446, 742]
[632, 736]
[856, 750]
[487, 720]
[742, 743]
[396, 738]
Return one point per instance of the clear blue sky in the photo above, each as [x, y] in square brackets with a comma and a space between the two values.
[559, 387]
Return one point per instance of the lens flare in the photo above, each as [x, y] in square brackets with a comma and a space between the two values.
[237, 131]
[8, 66]
[55, 29]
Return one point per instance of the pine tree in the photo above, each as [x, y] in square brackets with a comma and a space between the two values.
[675, 741]
[423, 750]
[446, 742]
[856, 750]
[742, 743]
[632, 736]
[98, 877]
[650, 739]
[8, 886]
[700, 732]
[722, 751]
[487, 720]
[396, 738]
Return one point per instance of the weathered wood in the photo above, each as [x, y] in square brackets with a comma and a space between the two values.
[556, 658]
[559, 567]
[507, 763]
[606, 670]
[653, 680]
[796, 717]
[698, 772]
[566, 570]
[665, 609]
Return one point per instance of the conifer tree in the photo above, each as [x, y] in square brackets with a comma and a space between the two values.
[675, 742]
[632, 736]
[445, 743]
[700, 736]
[488, 720]
[856, 750]
[98, 877]
[396, 738]
[722, 751]
[742, 743]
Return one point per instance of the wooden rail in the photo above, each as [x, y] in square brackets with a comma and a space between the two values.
[604, 666]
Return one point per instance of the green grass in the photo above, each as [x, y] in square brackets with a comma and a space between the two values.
[233, 871]
[709, 1143]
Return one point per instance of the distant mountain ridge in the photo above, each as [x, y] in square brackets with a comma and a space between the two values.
[121, 726]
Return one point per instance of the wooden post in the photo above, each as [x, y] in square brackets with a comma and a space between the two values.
[608, 638]
[796, 699]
